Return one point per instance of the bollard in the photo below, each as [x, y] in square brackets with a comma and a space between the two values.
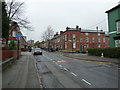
[102, 54]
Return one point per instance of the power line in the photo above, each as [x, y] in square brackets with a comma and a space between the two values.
[97, 23]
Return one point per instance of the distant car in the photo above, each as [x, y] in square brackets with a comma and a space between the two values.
[37, 51]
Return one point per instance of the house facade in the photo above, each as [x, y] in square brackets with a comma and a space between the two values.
[114, 26]
[78, 39]
[16, 36]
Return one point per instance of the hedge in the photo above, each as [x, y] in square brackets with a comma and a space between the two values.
[107, 52]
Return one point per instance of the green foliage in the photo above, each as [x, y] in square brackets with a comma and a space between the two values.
[108, 52]
[12, 45]
[37, 44]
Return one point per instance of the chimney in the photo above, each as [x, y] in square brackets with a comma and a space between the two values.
[61, 32]
[67, 28]
[56, 33]
[77, 27]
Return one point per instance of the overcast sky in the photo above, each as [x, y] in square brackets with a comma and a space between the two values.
[62, 13]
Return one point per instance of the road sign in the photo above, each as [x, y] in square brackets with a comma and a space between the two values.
[18, 34]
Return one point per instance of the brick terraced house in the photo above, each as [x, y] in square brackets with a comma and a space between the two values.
[77, 39]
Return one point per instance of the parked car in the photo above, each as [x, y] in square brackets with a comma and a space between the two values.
[37, 51]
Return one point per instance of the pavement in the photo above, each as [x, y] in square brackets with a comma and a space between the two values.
[22, 73]
[87, 57]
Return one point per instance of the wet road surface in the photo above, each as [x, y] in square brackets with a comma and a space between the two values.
[57, 71]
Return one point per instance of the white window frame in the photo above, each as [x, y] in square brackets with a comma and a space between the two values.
[86, 34]
[118, 27]
[87, 39]
[117, 43]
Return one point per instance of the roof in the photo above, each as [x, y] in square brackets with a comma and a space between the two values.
[118, 6]
[86, 30]
[100, 31]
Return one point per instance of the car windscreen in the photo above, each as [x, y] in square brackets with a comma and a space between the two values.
[37, 49]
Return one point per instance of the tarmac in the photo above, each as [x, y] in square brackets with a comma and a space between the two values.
[23, 73]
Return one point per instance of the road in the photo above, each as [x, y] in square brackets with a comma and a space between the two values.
[58, 71]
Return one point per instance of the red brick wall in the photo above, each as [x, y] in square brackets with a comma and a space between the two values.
[66, 40]
[10, 53]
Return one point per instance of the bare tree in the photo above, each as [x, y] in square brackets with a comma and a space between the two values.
[15, 12]
[48, 34]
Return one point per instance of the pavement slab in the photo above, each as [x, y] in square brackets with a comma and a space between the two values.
[22, 73]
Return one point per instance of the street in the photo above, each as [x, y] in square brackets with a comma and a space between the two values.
[53, 70]
[58, 71]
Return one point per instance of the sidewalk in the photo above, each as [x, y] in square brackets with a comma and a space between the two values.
[92, 58]
[22, 73]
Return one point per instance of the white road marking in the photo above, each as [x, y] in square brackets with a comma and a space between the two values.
[86, 81]
[105, 65]
[66, 69]
[56, 63]
[73, 73]
[60, 65]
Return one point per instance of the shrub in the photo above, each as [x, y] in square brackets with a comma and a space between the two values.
[12, 45]
[108, 52]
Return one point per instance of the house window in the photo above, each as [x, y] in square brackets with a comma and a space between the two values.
[87, 39]
[98, 39]
[118, 27]
[99, 46]
[65, 44]
[74, 45]
[13, 34]
[117, 43]
[86, 34]
[73, 35]
[98, 34]
[80, 39]
[104, 40]
[65, 37]
[93, 39]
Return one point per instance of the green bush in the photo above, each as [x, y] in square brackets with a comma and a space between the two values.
[12, 45]
[108, 52]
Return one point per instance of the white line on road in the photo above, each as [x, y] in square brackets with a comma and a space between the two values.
[66, 69]
[56, 63]
[86, 81]
[60, 65]
[73, 73]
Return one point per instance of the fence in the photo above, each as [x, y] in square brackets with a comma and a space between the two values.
[6, 54]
